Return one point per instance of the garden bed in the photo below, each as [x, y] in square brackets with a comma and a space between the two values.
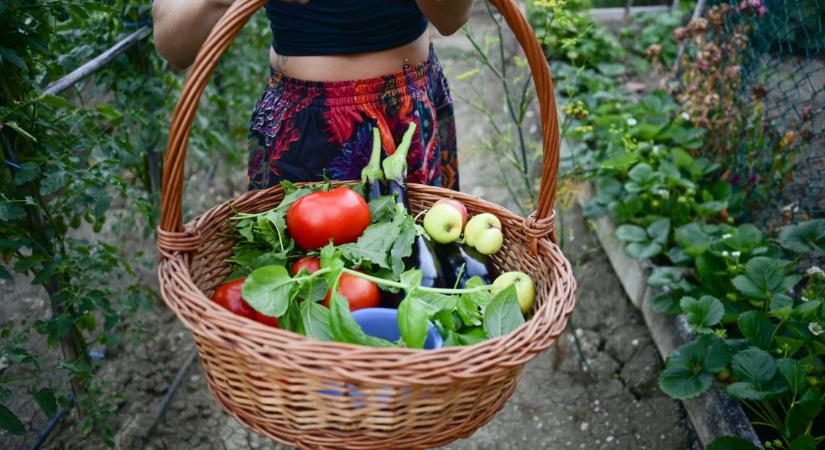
[713, 414]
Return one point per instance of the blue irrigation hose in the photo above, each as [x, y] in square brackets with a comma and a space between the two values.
[56, 418]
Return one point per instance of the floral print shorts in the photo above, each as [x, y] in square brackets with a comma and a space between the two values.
[308, 130]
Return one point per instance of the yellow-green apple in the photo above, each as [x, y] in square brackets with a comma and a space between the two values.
[457, 205]
[525, 290]
[483, 232]
[443, 223]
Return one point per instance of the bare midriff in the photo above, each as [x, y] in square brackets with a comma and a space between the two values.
[352, 66]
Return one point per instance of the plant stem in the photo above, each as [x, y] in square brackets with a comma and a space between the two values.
[396, 284]
[28, 375]
[406, 286]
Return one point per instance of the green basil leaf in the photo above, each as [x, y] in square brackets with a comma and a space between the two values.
[330, 258]
[468, 311]
[267, 290]
[503, 314]
[344, 328]
[472, 336]
[315, 321]
[413, 321]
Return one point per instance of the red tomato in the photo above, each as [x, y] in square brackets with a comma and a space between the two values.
[266, 320]
[360, 293]
[229, 296]
[340, 214]
[307, 262]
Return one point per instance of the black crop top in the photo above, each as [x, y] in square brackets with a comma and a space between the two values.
[335, 27]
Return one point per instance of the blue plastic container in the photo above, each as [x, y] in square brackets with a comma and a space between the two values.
[383, 323]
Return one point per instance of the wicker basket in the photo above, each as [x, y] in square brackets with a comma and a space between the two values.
[313, 394]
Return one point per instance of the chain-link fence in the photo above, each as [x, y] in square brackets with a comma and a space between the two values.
[783, 77]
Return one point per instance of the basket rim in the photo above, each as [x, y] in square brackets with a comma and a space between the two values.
[212, 311]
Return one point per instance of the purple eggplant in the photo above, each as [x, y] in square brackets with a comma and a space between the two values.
[461, 262]
[423, 255]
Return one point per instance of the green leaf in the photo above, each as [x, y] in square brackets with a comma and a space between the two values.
[755, 366]
[804, 442]
[806, 237]
[503, 314]
[28, 172]
[12, 57]
[745, 390]
[781, 306]
[793, 374]
[402, 246]
[52, 183]
[439, 301]
[666, 303]
[764, 276]
[631, 233]
[703, 313]
[659, 230]
[642, 251]
[10, 422]
[412, 278]
[712, 274]
[690, 368]
[731, 443]
[267, 290]
[330, 258]
[46, 400]
[373, 244]
[382, 208]
[803, 411]
[10, 212]
[413, 321]
[315, 321]
[468, 311]
[744, 238]
[691, 238]
[756, 328]
[472, 336]
[610, 69]
[344, 327]
[641, 173]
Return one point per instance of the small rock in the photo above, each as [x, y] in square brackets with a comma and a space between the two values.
[584, 426]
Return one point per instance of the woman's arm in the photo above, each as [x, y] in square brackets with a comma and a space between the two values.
[447, 15]
[181, 26]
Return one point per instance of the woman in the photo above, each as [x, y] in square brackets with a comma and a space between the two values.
[339, 68]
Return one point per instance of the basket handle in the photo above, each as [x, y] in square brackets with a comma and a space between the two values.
[171, 234]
